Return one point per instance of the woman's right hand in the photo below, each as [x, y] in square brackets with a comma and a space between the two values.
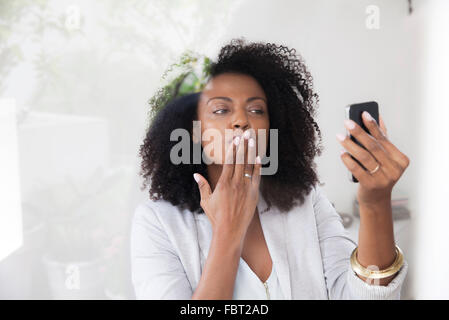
[230, 208]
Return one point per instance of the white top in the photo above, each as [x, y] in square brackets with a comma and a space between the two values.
[308, 245]
[248, 286]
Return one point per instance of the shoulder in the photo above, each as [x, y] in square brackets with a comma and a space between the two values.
[317, 192]
[323, 208]
[316, 205]
[162, 215]
[160, 227]
[318, 196]
[312, 199]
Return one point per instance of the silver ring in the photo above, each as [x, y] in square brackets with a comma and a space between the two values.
[375, 169]
[248, 175]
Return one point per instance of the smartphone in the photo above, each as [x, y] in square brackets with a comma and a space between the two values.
[354, 112]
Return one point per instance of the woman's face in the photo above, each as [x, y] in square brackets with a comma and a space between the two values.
[235, 102]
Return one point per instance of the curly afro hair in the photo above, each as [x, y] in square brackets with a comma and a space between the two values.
[292, 105]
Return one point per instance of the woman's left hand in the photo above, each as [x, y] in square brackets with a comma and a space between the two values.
[374, 188]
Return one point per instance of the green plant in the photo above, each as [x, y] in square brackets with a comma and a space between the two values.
[188, 75]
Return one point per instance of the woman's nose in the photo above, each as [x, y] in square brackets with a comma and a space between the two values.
[242, 127]
[240, 122]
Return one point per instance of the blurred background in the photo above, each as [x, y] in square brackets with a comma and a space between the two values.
[75, 80]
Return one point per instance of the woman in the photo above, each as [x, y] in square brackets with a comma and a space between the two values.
[221, 230]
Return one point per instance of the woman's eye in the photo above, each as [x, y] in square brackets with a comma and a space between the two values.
[258, 111]
[220, 111]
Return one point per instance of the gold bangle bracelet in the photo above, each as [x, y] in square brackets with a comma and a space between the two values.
[377, 274]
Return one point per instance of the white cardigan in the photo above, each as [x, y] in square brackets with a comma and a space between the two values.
[308, 245]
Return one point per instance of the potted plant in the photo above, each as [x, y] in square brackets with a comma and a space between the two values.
[87, 224]
[74, 260]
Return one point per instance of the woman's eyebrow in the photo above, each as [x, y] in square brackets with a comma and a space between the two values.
[230, 100]
[222, 98]
[255, 98]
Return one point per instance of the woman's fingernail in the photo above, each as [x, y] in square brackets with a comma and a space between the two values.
[349, 124]
[342, 151]
[258, 160]
[367, 116]
[246, 134]
[237, 141]
[196, 177]
[340, 137]
[251, 142]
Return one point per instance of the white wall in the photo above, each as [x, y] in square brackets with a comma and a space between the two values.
[11, 237]
[431, 239]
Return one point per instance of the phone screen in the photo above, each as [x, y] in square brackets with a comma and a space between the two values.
[354, 112]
